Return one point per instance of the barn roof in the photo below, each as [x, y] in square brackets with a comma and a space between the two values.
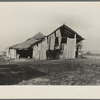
[29, 42]
[65, 32]
[68, 32]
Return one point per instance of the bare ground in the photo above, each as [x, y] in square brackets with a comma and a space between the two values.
[84, 71]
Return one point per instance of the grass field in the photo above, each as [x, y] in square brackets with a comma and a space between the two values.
[84, 71]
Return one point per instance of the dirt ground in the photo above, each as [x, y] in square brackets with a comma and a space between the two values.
[84, 71]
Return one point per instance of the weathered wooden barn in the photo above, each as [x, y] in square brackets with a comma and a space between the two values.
[63, 43]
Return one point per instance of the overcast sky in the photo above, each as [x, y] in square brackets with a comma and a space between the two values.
[21, 20]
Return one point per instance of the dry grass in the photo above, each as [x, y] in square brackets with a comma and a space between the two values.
[85, 71]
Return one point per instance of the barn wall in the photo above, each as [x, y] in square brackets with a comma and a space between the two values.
[56, 46]
[51, 41]
[8, 52]
[52, 47]
[36, 51]
[12, 53]
[44, 48]
[39, 50]
[48, 48]
[68, 49]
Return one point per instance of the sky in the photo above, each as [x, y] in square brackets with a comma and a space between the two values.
[22, 20]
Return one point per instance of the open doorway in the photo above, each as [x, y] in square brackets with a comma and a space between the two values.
[25, 53]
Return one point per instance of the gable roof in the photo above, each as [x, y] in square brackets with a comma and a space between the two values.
[29, 42]
[68, 32]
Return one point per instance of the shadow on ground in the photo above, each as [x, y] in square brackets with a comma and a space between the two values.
[13, 74]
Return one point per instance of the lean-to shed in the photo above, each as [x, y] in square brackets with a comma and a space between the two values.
[24, 50]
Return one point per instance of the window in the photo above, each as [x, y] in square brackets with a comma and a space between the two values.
[56, 41]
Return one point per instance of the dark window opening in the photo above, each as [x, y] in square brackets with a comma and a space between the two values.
[49, 41]
[64, 40]
[56, 41]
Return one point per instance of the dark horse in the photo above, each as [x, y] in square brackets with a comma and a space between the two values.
[52, 54]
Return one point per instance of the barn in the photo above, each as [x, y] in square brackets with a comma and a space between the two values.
[62, 43]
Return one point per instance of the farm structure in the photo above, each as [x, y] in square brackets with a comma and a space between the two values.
[63, 43]
[23, 50]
